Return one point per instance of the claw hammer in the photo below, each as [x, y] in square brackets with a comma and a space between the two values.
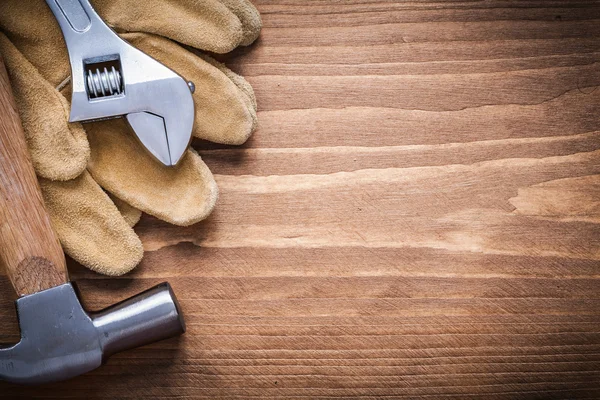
[59, 339]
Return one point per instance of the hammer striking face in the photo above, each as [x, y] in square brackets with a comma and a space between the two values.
[60, 340]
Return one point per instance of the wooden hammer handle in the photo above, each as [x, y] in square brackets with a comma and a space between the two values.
[29, 248]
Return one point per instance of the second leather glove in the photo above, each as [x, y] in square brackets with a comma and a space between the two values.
[73, 174]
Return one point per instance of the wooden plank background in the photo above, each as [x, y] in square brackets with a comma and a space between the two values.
[418, 215]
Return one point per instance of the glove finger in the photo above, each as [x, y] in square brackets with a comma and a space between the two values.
[248, 16]
[59, 150]
[131, 214]
[33, 29]
[181, 195]
[238, 80]
[90, 227]
[224, 113]
[204, 24]
[245, 88]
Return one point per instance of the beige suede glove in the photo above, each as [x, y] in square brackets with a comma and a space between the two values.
[96, 177]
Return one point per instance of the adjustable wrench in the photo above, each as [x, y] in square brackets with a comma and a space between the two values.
[110, 78]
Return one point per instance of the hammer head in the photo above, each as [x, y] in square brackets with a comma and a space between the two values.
[60, 340]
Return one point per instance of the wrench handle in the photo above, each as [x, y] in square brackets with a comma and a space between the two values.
[29, 248]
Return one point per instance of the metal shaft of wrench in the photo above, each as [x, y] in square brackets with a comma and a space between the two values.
[110, 78]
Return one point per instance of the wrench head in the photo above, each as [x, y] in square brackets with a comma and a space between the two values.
[60, 340]
[110, 79]
[156, 102]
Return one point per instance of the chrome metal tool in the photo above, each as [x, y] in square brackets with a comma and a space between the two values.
[59, 339]
[110, 78]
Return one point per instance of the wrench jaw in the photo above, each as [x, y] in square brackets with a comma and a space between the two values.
[156, 102]
[151, 132]
[111, 79]
[165, 130]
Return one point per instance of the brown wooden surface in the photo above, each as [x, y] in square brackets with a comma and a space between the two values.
[30, 253]
[418, 215]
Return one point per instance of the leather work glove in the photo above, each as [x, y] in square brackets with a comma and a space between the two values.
[96, 178]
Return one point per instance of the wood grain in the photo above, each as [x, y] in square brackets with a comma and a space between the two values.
[29, 249]
[418, 215]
